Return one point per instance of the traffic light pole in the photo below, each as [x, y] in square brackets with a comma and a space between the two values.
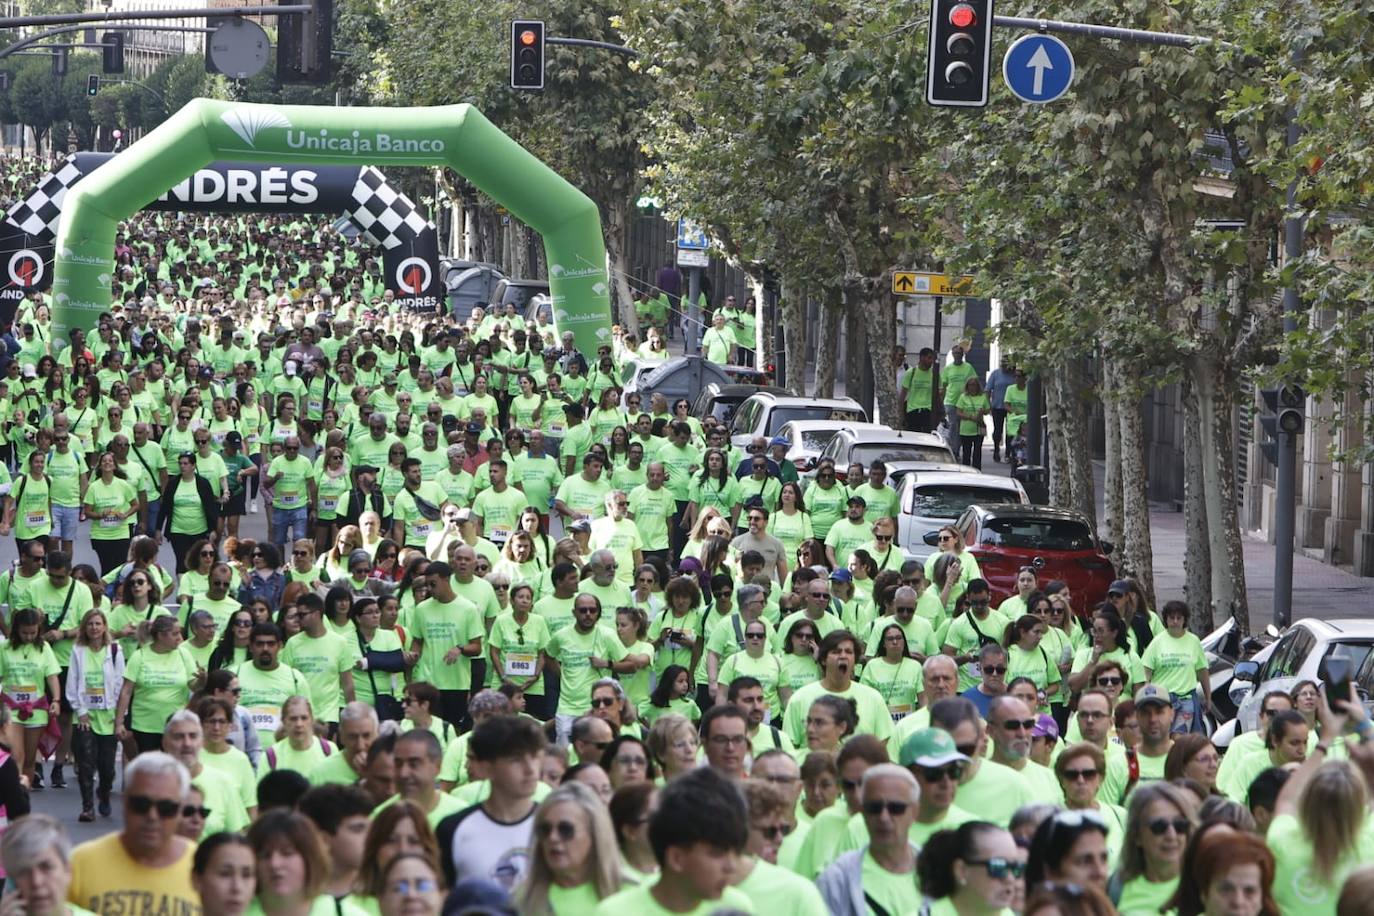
[1286, 472]
[1135, 36]
[31, 40]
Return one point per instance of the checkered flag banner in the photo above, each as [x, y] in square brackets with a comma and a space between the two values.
[386, 216]
[38, 213]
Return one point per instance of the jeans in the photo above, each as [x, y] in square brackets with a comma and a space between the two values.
[284, 520]
[999, 419]
[971, 451]
[94, 754]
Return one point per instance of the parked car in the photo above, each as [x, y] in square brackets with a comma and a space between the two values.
[1058, 543]
[929, 497]
[721, 401]
[1300, 654]
[810, 437]
[764, 413]
[872, 443]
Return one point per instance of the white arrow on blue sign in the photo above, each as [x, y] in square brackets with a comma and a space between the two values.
[1038, 68]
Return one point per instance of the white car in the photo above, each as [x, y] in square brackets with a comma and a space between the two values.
[870, 442]
[765, 413]
[929, 498]
[810, 437]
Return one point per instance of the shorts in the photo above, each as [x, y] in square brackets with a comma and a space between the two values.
[66, 522]
[237, 504]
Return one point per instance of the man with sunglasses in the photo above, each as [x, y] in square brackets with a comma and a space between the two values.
[17, 585]
[991, 789]
[920, 635]
[1010, 726]
[146, 861]
[882, 872]
[758, 875]
[992, 665]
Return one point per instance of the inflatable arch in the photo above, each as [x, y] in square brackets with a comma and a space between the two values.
[380, 213]
[458, 136]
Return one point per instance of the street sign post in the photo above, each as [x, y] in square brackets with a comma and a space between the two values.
[1038, 68]
[692, 257]
[921, 283]
[690, 236]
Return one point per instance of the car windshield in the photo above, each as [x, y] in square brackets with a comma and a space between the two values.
[783, 415]
[948, 501]
[1037, 534]
[815, 440]
[888, 452]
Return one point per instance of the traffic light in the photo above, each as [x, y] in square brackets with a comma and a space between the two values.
[93, 85]
[305, 43]
[113, 52]
[527, 54]
[59, 62]
[957, 62]
[1283, 413]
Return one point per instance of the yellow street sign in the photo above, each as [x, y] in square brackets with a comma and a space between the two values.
[918, 283]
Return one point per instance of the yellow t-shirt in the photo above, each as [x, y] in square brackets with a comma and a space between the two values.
[106, 879]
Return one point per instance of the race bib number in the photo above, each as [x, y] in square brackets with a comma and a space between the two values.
[95, 697]
[420, 530]
[265, 718]
[35, 519]
[329, 503]
[315, 405]
[111, 521]
[499, 534]
[974, 670]
[899, 711]
[24, 694]
[218, 437]
[520, 664]
[289, 499]
[558, 427]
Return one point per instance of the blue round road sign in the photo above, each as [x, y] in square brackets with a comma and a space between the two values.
[1038, 68]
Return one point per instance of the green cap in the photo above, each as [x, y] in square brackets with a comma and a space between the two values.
[930, 747]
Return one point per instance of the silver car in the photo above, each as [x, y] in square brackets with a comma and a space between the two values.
[929, 498]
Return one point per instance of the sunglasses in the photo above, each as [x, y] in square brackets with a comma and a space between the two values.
[207, 553]
[300, 553]
[994, 669]
[1109, 682]
[192, 811]
[603, 702]
[1160, 825]
[566, 830]
[951, 771]
[882, 538]
[165, 807]
[754, 635]
[1000, 868]
[1024, 724]
[775, 832]
[894, 808]
[1081, 775]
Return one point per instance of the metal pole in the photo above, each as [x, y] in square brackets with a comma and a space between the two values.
[1286, 475]
[116, 16]
[1035, 406]
[691, 333]
[588, 43]
[1135, 36]
[937, 403]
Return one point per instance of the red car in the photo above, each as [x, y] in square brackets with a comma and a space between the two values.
[1058, 543]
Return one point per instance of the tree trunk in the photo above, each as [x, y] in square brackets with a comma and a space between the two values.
[1076, 395]
[792, 305]
[520, 249]
[1058, 423]
[617, 232]
[879, 318]
[853, 345]
[1113, 510]
[827, 348]
[1197, 558]
[1138, 552]
[1216, 384]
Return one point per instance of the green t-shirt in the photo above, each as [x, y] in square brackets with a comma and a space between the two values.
[61, 607]
[1296, 889]
[100, 705]
[573, 901]
[917, 385]
[33, 513]
[407, 511]
[638, 901]
[111, 501]
[539, 479]
[963, 637]
[620, 538]
[873, 715]
[188, 513]
[322, 660]
[363, 681]
[222, 797]
[1038, 664]
[679, 463]
[557, 612]
[234, 766]
[584, 496]
[995, 792]
[162, 685]
[290, 491]
[894, 893]
[953, 378]
[879, 502]
[64, 475]
[767, 669]
[24, 671]
[1143, 897]
[775, 889]
[500, 512]
[1174, 663]
[263, 694]
[519, 646]
[572, 649]
[791, 530]
[845, 537]
[827, 506]
[653, 513]
[898, 684]
[443, 626]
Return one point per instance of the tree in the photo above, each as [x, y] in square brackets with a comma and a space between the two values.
[36, 97]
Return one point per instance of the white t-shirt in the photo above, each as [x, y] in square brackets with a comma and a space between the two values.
[474, 845]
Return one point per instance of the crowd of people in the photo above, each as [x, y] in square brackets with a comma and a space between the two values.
[518, 642]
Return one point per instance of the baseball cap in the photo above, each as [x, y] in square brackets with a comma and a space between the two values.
[857, 501]
[781, 440]
[464, 514]
[234, 438]
[1120, 586]
[580, 525]
[474, 428]
[207, 372]
[841, 575]
[30, 371]
[389, 378]
[1045, 727]
[365, 469]
[1152, 693]
[930, 747]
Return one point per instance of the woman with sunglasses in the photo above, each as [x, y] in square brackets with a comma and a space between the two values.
[973, 870]
[757, 661]
[138, 601]
[190, 510]
[302, 566]
[232, 650]
[894, 673]
[1160, 818]
[332, 484]
[574, 863]
[1081, 770]
[265, 581]
[1058, 647]
[110, 502]
[799, 665]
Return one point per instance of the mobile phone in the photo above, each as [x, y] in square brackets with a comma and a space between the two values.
[1338, 678]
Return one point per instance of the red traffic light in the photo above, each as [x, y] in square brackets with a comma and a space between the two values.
[528, 37]
[962, 16]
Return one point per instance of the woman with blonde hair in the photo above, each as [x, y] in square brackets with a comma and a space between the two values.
[302, 566]
[575, 861]
[673, 743]
[1321, 830]
[1158, 823]
[333, 563]
[398, 829]
[94, 681]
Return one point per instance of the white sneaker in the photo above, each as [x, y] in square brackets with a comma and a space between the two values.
[253, 507]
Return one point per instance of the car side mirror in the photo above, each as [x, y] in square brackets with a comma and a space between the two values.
[932, 538]
[1107, 547]
[1245, 671]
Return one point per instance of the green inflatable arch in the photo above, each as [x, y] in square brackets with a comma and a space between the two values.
[454, 135]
